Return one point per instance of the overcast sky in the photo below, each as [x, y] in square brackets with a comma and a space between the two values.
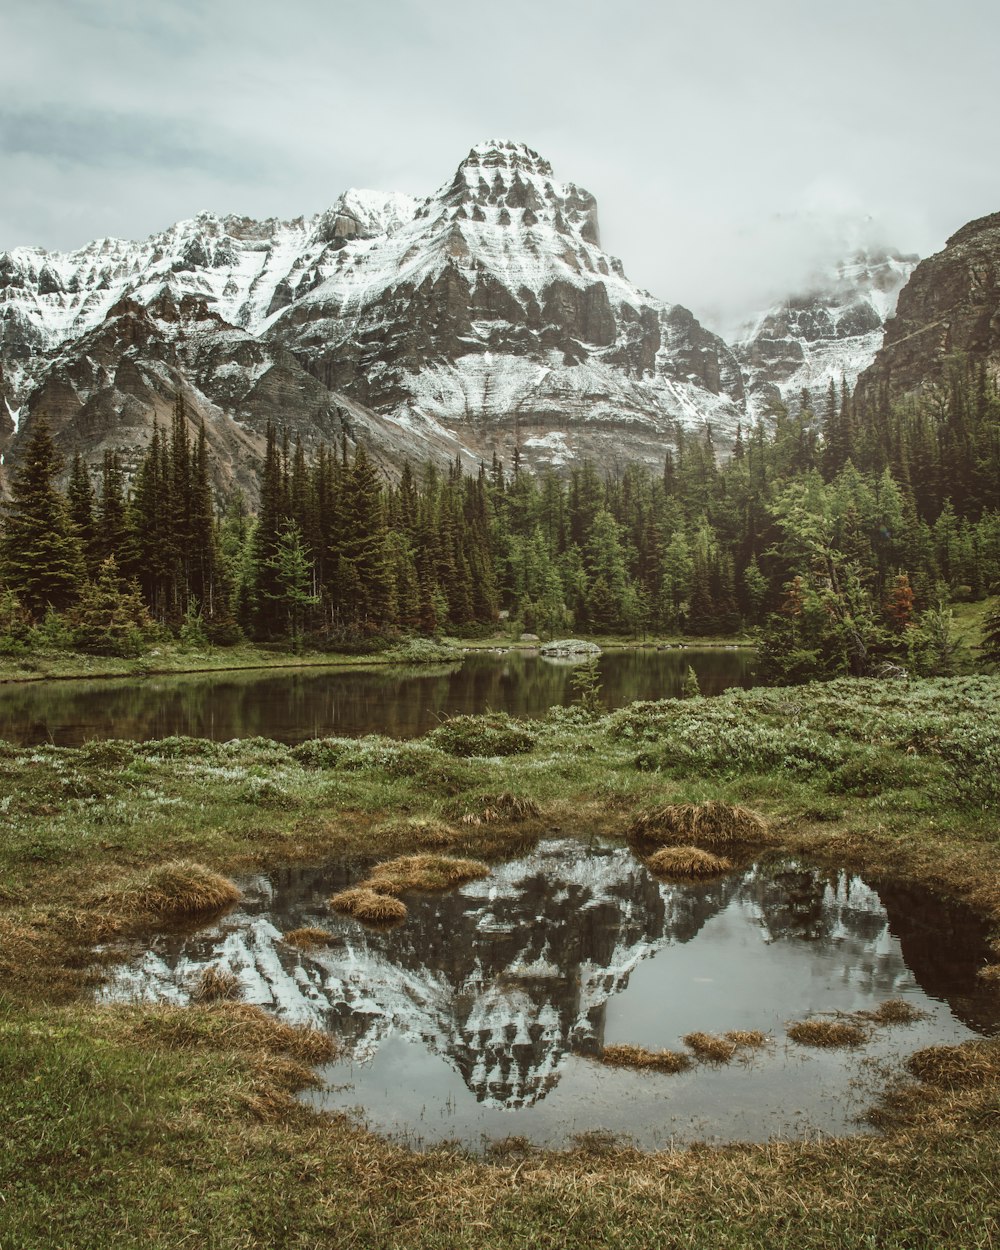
[730, 143]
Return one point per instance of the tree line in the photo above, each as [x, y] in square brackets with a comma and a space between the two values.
[834, 537]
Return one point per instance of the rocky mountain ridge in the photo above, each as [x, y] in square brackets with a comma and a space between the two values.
[481, 318]
[484, 318]
[950, 307]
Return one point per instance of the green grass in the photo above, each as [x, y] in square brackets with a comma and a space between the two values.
[174, 658]
[156, 1127]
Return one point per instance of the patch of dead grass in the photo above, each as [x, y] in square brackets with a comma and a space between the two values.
[215, 984]
[309, 938]
[228, 1026]
[687, 863]
[178, 888]
[894, 1011]
[956, 1067]
[710, 1048]
[827, 1033]
[624, 1055]
[365, 904]
[506, 807]
[424, 872]
[747, 1039]
[713, 823]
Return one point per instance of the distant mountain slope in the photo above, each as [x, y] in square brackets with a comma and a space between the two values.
[830, 333]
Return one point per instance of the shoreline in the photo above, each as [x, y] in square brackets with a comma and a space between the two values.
[449, 652]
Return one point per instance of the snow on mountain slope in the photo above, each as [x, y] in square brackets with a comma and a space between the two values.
[830, 333]
[495, 312]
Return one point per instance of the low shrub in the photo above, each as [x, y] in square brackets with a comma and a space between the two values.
[491, 735]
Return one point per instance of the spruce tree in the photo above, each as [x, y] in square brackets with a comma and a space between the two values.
[40, 554]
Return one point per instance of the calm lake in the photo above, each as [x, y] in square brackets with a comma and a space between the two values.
[484, 1014]
[293, 705]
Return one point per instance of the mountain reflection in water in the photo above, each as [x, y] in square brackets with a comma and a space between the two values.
[514, 980]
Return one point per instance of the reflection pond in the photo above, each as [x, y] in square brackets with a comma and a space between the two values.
[292, 705]
[483, 1014]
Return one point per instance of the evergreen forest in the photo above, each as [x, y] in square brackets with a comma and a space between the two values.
[841, 543]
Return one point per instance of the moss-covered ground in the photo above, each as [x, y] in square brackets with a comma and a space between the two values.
[156, 1127]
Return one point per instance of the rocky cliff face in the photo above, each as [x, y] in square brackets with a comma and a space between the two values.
[830, 333]
[950, 305]
[483, 317]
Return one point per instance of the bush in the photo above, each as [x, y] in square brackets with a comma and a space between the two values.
[491, 735]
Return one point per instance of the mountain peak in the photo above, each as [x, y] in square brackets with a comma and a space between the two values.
[502, 182]
[507, 153]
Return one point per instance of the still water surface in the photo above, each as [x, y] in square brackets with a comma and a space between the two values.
[481, 1016]
[292, 705]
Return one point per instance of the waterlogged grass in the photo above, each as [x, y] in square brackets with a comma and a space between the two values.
[167, 1127]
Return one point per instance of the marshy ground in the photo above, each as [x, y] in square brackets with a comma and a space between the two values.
[161, 1126]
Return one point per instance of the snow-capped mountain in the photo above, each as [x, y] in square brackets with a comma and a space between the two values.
[831, 332]
[482, 317]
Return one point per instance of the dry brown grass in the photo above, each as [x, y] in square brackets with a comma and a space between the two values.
[309, 938]
[687, 863]
[365, 904]
[215, 984]
[228, 1026]
[747, 1039]
[990, 974]
[956, 1067]
[423, 872]
[894, 1011]
[713, 823]
[507, 807]
[178, 888]
[626, 1056]
[710, 1048]
[827, 1033]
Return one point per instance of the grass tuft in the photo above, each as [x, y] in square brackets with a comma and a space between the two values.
[215, 984]
[494, 808]
[710, 1048]
[687, 862]
[827, 1033]
[747, 1039]
[894, 1011]
[365, 904]
[714, 823]
[309, 938]
[956, 1067]
[423, 872]
[178, 888]
[625, 1056]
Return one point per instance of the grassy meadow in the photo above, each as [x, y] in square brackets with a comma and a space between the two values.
[164, 1127]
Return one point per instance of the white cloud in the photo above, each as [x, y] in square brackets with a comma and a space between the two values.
[709, 133]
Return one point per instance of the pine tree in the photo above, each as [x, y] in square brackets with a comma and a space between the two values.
[40, 554]
[80, 500]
